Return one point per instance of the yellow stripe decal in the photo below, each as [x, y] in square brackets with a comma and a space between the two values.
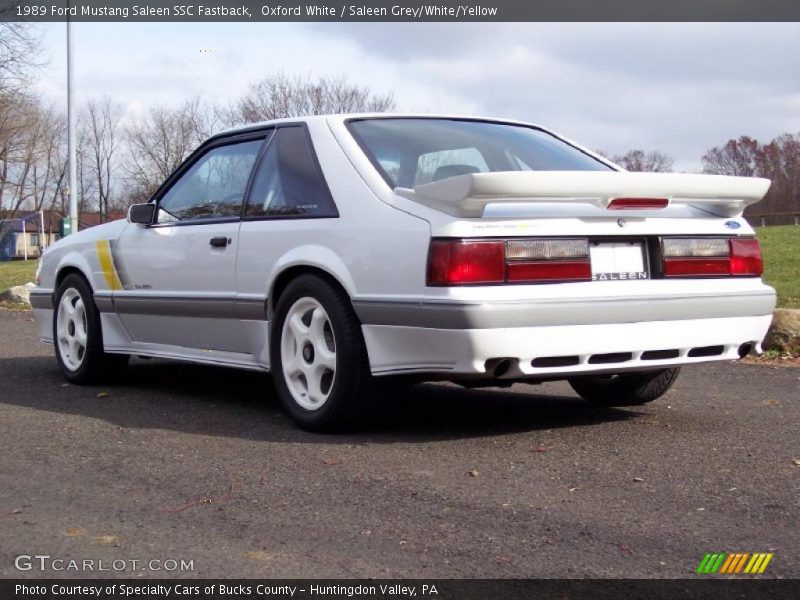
[107, 264]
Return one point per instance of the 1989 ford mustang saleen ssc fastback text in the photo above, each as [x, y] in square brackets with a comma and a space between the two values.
[334, 251]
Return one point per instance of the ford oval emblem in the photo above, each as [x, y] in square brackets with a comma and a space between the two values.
[733, 224]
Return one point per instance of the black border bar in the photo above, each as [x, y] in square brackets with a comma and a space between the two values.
[702, 586]
[401, 10]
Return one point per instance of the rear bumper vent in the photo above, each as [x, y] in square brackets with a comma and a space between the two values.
[706, 351]
[627, 360]
[556, 361]
[660, 354]
[613, 357]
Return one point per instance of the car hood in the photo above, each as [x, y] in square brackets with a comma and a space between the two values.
[106, 231]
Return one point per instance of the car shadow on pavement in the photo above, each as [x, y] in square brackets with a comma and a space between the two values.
[225, 402]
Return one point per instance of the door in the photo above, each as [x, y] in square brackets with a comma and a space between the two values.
[179, 274]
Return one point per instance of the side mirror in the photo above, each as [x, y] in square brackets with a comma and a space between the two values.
[142, 214]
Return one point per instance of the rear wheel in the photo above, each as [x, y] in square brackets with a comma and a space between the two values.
[78, 337]
[625, 389]
[318, 357]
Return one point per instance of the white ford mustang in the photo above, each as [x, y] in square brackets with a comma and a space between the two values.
[337, 250]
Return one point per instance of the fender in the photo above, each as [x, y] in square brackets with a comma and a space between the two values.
[76, 259]
[88, 251]
[316, 256]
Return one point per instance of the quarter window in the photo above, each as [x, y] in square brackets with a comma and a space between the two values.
[288, 182]
[213, 187]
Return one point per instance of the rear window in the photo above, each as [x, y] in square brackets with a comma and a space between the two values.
[411, 152]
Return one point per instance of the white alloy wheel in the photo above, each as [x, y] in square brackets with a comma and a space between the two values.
[71, 329]
[308, 353]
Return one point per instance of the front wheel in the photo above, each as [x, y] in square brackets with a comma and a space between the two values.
[625, 389]
[78, 336]
[318, 357]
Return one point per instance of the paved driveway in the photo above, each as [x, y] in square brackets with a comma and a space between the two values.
[197, 463]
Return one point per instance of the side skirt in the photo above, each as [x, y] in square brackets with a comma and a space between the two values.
[116, 340]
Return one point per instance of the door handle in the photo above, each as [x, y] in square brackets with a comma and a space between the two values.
[219, 242]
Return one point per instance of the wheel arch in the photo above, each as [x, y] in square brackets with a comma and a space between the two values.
[285, 277]
[313, 260]
[73, 264]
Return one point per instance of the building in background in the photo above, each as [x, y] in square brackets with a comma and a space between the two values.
[29, 234]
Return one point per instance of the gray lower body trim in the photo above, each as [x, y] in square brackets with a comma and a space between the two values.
[104, 303]
[438, 315]
[42, 299]
[222, 307]
[216, 308]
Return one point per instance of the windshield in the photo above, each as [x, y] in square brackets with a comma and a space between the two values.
[413, 151]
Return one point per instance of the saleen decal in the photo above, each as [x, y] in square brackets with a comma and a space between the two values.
[107, 264]
[619, 276]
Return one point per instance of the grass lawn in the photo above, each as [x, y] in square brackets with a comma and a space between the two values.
[16, 272]
[781, 248]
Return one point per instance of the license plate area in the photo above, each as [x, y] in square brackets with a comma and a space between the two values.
[618, 261]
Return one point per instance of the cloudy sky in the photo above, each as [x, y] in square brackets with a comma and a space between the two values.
[679, 88]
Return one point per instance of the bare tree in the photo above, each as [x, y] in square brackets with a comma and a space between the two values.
[13, 117]
[736, 157]
[101, 120]
[19, 51]
[160, 141]
[283, 96]
[50, 169]
[779, 161]
[19, 54]
[53, 196]
[639, 160]
[23, 128]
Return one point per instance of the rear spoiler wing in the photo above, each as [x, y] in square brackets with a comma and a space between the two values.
[468, 195]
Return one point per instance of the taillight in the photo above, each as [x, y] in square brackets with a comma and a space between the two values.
[708, 257]
[457, 262]
[550, 271]
[549, 260]
[746, 257]
[637, 203]
[452, 262]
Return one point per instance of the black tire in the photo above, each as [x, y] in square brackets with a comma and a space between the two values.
[95, 364]
[352, 382]
[626, 389]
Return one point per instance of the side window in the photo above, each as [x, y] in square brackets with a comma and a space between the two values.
[288, 182]
[435, 166]
[213, 187]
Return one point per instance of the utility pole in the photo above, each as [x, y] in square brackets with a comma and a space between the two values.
[73, 168]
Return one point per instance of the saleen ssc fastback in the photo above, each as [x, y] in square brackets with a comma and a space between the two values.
[335, 251]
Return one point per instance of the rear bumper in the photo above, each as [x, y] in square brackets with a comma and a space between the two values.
[444, 314]
[553, 351]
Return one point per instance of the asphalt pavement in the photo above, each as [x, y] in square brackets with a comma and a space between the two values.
[180, 462]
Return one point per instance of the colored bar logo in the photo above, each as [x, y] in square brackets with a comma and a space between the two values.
[734, 563]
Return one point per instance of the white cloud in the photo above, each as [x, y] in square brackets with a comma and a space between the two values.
[680, 88]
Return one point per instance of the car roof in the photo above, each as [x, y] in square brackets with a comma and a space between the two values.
[339, 118]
